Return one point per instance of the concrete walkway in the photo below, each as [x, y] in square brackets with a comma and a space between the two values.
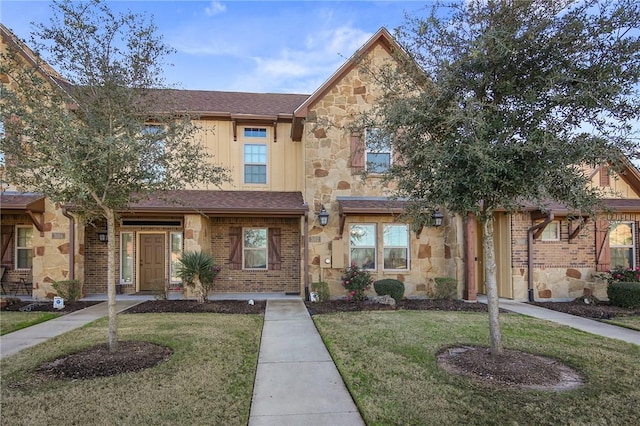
[297, 382]
[21, 339]
[590, 326]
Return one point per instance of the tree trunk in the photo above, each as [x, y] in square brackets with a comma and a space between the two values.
[199, 290]
[111, 279]
[491, 284]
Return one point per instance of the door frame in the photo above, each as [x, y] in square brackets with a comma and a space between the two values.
[139, 235]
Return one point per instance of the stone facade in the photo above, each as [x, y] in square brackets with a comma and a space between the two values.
[328, 175]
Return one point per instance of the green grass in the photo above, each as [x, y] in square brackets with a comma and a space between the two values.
[632, 322]
[388, 361]
[12, 321]
[208, 380]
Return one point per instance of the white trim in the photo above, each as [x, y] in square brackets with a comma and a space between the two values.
[17, 247]
[374, 246]
[407, 248]
[171, 234]
[133, 263]
[266, 248]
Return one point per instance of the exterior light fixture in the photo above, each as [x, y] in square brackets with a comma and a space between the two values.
[102, 237]
[437, 217]
[323, 217]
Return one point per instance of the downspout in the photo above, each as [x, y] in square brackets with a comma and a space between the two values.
[306, 256]
[530, 232]
[72, 243]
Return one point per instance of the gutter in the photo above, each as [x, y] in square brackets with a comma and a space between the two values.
[72, 243]
[306, 256]
[530, 238]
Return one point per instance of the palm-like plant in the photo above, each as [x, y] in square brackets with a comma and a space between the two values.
[198, 270]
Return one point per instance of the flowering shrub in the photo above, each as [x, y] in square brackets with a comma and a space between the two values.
[356, 281]
[628, 275]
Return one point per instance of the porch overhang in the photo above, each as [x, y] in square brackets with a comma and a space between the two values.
[363, 206]
[222, 204]
[30, 203]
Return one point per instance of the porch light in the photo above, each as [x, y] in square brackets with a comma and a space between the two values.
[323, 217]
[437, 217]
[102, 236]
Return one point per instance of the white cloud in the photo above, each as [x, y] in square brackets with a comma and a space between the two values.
[215, 8]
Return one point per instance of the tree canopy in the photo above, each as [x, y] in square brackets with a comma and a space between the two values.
[503, 101]
[101, 132]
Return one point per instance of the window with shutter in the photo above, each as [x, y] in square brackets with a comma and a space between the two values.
[603, 256]
[235, 247]
[357, 153]
[274, 249]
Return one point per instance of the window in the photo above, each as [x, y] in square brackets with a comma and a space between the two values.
[622, 245]
[252, 132]
[152, 159]
[176, 253]
[362, 245]
[377, 151]
[395, 240]
[254, 248]
[551, 231]
[126, 258]
[255, 163]
[24, 247]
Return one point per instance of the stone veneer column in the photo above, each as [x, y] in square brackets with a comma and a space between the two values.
[51, 252]
[197, 237]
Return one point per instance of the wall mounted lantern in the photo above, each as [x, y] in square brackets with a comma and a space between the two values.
[323, 217]
[102, 236]
[437, 217]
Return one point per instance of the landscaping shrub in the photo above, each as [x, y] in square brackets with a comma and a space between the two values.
[624, 294]
[322, 288]
[626, 275]
[356, 281]
[198, 270]
[393, 288]
[69, 290]
[445, 288]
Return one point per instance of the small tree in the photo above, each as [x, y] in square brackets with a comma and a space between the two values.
[83, 137]
[501, 101]
[198, 270]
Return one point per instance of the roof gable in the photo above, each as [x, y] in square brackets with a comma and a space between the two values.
[382, 37]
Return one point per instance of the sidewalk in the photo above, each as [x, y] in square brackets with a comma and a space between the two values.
[588, 325]
[21, 339]
[297, 382]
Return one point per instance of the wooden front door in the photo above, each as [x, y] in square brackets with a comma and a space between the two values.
[152, 261]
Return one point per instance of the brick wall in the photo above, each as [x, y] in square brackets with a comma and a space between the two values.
[561, 269]
[287, 279]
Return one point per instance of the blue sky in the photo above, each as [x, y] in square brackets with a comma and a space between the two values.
[249, 46]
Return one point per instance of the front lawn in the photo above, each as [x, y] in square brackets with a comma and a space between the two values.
[12, 321]
[388, 361]
[628, 322]
[208, 380]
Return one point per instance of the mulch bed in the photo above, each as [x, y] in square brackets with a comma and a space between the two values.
[600, 310]
[191, 306]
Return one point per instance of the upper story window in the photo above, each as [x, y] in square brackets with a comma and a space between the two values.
[24, 247]
[255, 163]
[254, 248]
[152, 160]
[255, 132]
[377, 151]
[551, 231]
[622, 238]
[362, 245]
[395, 240]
